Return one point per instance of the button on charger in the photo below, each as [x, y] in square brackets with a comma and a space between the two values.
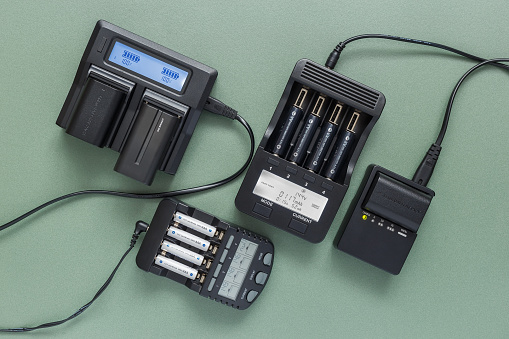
[327, 186]
[267, 259]
[262, 210]
[309, 178]
[291, 170]
[298, 226]
[273, 162]
[261, 278]
[251, 295]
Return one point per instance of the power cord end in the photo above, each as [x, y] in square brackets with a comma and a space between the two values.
[425, 169]
[140, 227]
[333, 58]
[216, 106]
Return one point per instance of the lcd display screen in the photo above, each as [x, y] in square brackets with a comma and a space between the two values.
[289, 195]
[148, 66]
[238, 270]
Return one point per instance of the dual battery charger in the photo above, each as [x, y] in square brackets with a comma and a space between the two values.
[138, 98]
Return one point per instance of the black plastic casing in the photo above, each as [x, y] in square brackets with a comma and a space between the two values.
[382, 222]
[187, 104]
[337, 88]
[262, 261]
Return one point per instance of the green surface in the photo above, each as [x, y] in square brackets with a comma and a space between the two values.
[456, 280]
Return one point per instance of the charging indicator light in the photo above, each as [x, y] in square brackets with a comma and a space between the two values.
[148, 66]
[364, 217]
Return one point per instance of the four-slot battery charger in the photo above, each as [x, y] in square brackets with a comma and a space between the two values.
[217, 259]
[302, 167]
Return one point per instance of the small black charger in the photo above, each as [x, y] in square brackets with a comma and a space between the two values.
[382, 222]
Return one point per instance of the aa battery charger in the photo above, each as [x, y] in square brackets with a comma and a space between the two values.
[137, 98]
[302, 167]
[214, 258]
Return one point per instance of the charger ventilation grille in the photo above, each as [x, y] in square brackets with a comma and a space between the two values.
[341, 85]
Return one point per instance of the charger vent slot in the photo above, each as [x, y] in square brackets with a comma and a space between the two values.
[341, 85]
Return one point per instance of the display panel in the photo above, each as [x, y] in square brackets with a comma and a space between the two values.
[289, 195]
[238, 269]
[148, 66]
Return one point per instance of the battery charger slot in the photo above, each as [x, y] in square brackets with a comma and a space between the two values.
[327, 116]
[363, 120]
[292, 100]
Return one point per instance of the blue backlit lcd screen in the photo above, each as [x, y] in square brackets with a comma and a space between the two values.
[148, 66]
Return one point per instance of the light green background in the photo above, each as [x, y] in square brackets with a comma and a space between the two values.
[455, 282]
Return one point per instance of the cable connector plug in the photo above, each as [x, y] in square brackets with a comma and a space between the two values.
[218, 107]
[333, 58]
[425, 169]
[140, 227]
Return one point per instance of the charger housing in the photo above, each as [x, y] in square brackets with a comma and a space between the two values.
[382, 222]
[138, 98]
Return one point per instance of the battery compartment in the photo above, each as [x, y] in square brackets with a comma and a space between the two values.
[154, 248]
[349, 118]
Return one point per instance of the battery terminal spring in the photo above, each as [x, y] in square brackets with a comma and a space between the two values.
[353, 121]
[300, 99]
[318, 106]
[220, 236]
[336, 113]
[209, 263]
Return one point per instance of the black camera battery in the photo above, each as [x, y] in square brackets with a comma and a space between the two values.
[95, 112]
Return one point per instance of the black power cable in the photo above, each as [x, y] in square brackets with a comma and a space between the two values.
[155, 195]
[214, 106]
[425, 169]
[334, 56]
[140, 227]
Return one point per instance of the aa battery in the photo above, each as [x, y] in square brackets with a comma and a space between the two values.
[182, 253]
[339, 155]
[308, 131]
[315, 159]
[342, 148]
[175, 266]
[289, 126]
[306, 135]
[189, 238]
[195, 224]
[287, 131]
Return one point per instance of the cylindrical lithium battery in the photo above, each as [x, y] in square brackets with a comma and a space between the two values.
[287, 131]
[195, 224]
[339, 154]
[188, 238]
[175, 266]
[306, 135]
[182, 252]
[315, 159]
